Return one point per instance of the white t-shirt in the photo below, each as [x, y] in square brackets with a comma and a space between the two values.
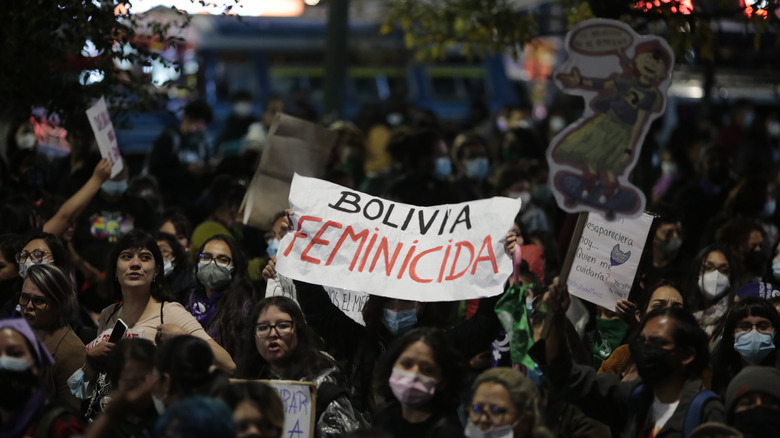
[660, 413]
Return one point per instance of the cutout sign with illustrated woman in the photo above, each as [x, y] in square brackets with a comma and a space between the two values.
[623, 78]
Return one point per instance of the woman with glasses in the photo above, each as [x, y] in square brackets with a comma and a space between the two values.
[47, 303]
[749, 338]
[135, 280]
[712, 280]
[505, 403]
[43, 248]
[223, 298]
[420, 377]
[280, 346]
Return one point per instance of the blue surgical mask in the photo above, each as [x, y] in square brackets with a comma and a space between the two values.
[273, 247]
[477, 168]
[776, 269]
[8, 363]
[399, 322]
[769, 208]
[754, 346]
[443, 168]
[114, 188]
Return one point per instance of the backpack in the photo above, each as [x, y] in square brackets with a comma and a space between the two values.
[692, 417]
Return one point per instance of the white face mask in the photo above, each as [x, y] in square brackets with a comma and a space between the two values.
[24, 266]
[713, 284]
[242, 109]
[158, 404]
[17, 364]
[167, 267]
[472, 431]
[26, 141]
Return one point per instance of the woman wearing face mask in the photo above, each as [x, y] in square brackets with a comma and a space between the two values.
[749, 338]
[470, 152]
[279, 345]
[505, 404]
[772, 271]
[43, 248]
[25, 406]
[47, 302]
[177, 268]
[711, 284]
[223, 299]
[420, 377]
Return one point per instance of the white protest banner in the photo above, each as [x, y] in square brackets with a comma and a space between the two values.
[348, 301]
[105, 136]
[343, 238]
[606, 258]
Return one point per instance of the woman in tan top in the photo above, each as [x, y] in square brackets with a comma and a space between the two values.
[136, 280]
[47, 302]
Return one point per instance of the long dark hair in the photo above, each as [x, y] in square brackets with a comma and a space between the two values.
[179, 254]
[694, 297]
[190, 364]
[229, 309]
[137, 239]
[727, 362]
[306, 360]
[444, 355]
[58, 252]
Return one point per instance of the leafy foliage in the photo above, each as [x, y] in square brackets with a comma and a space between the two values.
[44, 55]
[432, 28]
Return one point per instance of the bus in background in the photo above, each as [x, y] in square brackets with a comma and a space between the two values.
[285, 57]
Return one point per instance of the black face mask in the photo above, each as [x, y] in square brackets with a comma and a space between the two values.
[758, 422]
[17, 388]
[755, 261]
[652, 362]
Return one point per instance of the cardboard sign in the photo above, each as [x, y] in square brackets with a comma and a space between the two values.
[299, 400]
[602, 265]
[347, 239]
[623, 78]
[293, 146]
[105, 136]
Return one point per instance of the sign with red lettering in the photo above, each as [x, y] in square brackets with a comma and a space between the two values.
[346, 239]
[105, 136]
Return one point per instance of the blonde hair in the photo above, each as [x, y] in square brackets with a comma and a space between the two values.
[523, 394]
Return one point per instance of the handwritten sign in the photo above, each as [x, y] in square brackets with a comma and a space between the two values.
[348, 301]
[623, 78]
[105, 136]
[350, 240]
[605, 260]
[299, 400]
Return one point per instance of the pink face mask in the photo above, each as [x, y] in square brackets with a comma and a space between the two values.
[410, 388]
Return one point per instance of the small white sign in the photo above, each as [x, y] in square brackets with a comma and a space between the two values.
[105, 135]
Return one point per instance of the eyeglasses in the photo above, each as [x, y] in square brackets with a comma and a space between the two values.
[724, 269]
[208, 257]
[282, 328]
[762, 326]
[494, 413]
[39, 303]
[36, 256]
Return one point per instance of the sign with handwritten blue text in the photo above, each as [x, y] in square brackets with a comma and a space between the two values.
[607, 257]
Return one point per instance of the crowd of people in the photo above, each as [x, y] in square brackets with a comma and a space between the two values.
[138, 305]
